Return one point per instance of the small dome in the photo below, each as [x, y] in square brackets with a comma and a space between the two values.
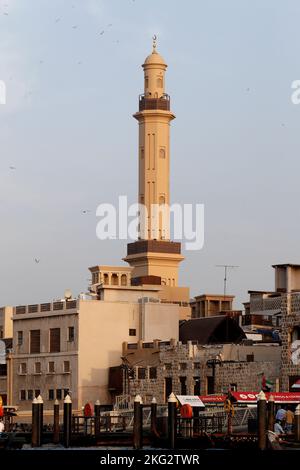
[154, 58]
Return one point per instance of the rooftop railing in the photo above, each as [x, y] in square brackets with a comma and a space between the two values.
[46, 307]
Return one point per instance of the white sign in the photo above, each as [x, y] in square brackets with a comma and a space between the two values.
[192, 400]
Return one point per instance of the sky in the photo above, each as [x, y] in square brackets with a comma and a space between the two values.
[67, 130]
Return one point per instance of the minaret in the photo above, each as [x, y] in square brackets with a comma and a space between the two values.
[154, 117]
[154, 255]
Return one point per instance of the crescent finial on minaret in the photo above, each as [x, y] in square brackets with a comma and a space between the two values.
[154, 38]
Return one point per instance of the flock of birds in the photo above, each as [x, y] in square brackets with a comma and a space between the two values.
[74, 27]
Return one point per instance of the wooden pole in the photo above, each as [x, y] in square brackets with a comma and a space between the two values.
[297, 424]
[261, 417]
[97, 408]
[35, 424]
[271, 413]
[137, 423]
[153, 417]
[40, 410]
[172, 402]
[56, 422]
[67, 421]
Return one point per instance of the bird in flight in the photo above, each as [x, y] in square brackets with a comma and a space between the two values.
[86, 211]
[36, 260]
[75, 26]
[57, 20]
[12, 168]
[102, 32]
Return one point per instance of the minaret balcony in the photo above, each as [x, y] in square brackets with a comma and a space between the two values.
[154, 103]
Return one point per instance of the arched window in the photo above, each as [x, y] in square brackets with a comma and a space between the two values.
[123, 280]
[105, 279]
[162, 200]
[159, 82]
[146, 82]
[162, 153]
[114, 280]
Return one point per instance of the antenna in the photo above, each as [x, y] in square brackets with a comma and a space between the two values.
[226, 267]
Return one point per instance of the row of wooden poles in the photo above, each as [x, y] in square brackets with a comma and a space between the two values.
[37, 421]
[138, 421]
[266, 419]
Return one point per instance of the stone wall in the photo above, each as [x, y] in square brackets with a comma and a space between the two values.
[180, 361]
[291, 318]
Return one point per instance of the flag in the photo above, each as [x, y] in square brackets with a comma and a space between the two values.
[266, 384]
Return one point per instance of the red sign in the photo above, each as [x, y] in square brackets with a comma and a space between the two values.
[212, 398]
[279, 397]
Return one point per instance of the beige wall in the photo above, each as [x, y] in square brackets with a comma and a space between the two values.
[45, 380]
[103, 326]
[6, 324]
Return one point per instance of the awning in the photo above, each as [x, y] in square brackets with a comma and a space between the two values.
[296, 385]
[192, 400]
[212, 399]
[279, 397]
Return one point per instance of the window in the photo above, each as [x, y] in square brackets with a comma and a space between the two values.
[1, 333]
[114, 279]
[168, 366]
[197, 386]
[37, 368]
[210, 385]
[233, 387]
[37, 392]
[152, 373]
[71, 333]
[182, 366]
[23, 368]
[35, 341]
[183, 385]
[132, 332]
[159, 82]
[51, 368]
[250, 357]
[123, 280]
[162, 152]
[51, 394]
[146, 82]
[66, 366]
[197, 365]
[30, 395]
[95, 278]
[20, 338]
[66, 392]
[58, 394]
[54, 340]
[141, 373]
[105, 279]
[3, 370]
[168, 387]
[22, 394]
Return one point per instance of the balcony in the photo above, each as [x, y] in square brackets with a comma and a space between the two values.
[162, 103]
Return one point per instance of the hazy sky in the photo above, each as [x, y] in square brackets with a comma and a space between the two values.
[68, 130]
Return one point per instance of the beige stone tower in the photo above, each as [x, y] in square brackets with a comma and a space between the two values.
[154, 258]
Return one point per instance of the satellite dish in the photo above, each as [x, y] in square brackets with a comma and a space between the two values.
[68, 294]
